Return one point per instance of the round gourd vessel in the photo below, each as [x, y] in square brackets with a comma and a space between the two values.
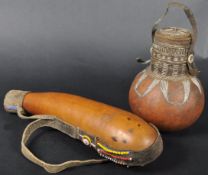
[168, 93]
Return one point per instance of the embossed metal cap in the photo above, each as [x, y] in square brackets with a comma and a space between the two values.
[173, 36]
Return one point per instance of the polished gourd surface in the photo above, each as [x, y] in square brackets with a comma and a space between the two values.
[119, 129]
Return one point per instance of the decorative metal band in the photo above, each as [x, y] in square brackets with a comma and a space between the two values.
[169, 61]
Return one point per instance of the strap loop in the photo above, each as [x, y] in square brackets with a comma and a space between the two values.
[190, 17]
[49, 121]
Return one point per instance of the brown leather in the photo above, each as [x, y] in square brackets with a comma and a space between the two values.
[98, 119]
[190, 17]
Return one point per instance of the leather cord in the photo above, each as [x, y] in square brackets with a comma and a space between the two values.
[190, 17]
[49, 121]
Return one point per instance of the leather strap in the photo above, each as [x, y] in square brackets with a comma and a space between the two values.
[190, 17]
[53, 122]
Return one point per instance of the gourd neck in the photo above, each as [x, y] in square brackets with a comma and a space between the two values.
[169, 61]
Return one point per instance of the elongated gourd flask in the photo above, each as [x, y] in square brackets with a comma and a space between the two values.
[115, 134]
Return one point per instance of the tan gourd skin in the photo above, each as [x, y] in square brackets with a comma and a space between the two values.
[120, 130]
